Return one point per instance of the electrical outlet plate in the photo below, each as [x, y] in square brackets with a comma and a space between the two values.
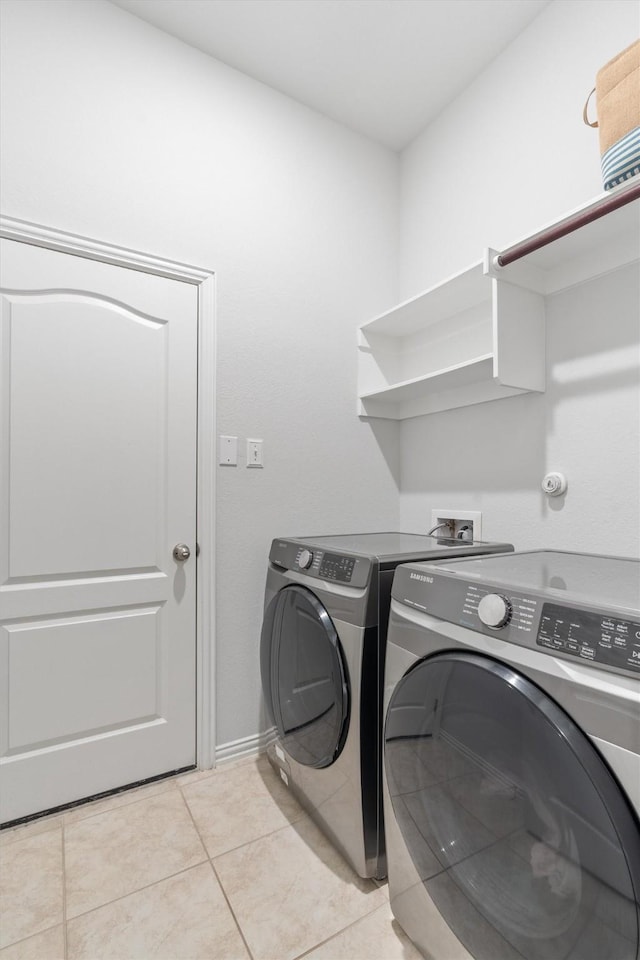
[458, 519]
[228, 451]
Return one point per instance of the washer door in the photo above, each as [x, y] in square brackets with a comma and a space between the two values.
[522, 837]
[304, 677]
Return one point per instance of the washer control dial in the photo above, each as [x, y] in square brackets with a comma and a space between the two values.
[494, 610]
[305, 559]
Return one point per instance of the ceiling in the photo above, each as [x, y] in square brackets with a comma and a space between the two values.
[385, 68]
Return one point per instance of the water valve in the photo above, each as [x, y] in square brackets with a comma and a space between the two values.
[554, 484]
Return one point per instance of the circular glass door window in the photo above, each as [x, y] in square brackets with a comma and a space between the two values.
[520, 834]
[304, 677]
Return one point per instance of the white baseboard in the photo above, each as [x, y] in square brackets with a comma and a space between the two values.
[247, 747]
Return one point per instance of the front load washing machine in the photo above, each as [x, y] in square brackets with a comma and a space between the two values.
[512, 757]
[322, 661]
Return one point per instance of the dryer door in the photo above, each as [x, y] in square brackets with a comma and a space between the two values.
[304, 677]
[522, 838]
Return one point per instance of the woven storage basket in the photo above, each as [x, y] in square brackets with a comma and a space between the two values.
[617, 93]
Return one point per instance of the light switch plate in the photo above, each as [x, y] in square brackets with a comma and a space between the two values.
[254, 453]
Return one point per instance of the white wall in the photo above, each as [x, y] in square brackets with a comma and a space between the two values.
[509, 155]
[116, 131]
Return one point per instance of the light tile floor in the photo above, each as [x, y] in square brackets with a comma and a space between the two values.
[221, 865]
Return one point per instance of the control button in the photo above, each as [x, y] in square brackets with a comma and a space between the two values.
[494, 611]
[305, 559]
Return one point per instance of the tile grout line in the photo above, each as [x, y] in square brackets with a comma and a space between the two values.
[117, 806]
[132, 893]
[12, 835]
[29, 936]
[290, 823]
[231, 910]
[69, 811]
[146, 886]
[64, 893]
[333, 936]
[303, 815]
[215, 874]
[66, 920]
[263, 836]
[305, 953]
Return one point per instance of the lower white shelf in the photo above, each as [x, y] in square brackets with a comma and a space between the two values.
[458, 375]
[457, 386]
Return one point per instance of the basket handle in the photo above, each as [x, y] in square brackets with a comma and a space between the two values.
[585, 115]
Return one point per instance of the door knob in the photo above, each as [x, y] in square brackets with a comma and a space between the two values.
[181, 552]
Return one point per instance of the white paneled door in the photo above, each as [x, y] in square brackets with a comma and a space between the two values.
[98, 403]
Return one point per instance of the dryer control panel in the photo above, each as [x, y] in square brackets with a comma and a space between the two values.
[606, 640]
[340, 568]
[332, 566]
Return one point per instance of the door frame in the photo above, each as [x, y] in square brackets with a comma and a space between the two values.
[24, 231]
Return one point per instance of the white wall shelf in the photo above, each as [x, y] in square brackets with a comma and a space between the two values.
[480, 335]
[470, 339]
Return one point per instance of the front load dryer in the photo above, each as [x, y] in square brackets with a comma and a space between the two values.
[512, 757]
[322, 661]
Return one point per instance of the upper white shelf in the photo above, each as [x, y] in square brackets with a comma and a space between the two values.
[594, 249]
[458, 293]
[479, 335]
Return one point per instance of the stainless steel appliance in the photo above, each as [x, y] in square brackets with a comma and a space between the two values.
[512, 757]
[322, 661]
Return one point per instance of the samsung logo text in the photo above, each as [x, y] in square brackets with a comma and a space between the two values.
[420, 576]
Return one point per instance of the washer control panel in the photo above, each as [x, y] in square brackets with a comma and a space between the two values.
[605, 640]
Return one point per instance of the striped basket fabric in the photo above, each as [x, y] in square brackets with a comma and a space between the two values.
[622, 160]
